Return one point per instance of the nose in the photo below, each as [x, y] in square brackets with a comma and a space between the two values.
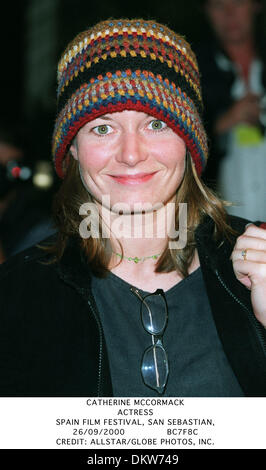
[132, 149]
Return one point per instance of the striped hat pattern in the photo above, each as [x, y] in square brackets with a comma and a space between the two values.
[135, 65]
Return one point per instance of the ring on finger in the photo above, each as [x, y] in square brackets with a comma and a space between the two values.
[244, 254]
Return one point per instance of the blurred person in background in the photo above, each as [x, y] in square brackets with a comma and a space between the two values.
[130, 297]
[233, 69]
[26, 190]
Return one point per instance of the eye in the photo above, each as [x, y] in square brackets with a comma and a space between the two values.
[157, 125]
[103, 129]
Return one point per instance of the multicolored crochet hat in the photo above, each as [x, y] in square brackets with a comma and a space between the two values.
[129, 64]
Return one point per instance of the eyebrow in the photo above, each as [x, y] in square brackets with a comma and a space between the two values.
[104, 116]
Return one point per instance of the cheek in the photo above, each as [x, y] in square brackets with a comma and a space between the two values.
[91, 159]
[179, 170]
[175, 155]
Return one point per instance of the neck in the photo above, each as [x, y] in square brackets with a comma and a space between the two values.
[241, 50]
[242, 53]
[140, 234]
[160, 226]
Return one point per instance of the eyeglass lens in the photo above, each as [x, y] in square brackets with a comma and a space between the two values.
[154, 314]
[154, 366]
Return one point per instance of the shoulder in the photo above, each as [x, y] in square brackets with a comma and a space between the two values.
[34, 271]
[25, 265]
[220, 247]
[33, 289]
[239, 224]
[235, 226]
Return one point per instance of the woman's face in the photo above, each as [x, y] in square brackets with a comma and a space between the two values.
[132, 157]
[232, 20]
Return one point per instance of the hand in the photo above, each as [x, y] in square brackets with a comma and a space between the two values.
[246, 110]
[249, 264]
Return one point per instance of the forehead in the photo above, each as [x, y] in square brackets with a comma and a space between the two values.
[123, 117]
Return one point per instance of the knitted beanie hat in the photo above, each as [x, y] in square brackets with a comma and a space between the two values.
[135, 65]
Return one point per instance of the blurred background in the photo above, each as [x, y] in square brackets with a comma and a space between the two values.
[34, 34]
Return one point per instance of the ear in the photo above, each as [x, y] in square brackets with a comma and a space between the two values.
[74, 151]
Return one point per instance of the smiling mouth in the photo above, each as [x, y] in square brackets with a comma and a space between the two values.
[133, 179]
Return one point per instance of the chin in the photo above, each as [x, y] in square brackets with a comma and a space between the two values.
[136, 207]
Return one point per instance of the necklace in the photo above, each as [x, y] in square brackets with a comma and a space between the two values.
[136, 259]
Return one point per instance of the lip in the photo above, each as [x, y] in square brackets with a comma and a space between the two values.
[133, 179]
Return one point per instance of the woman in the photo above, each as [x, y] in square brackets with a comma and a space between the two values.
[121, 302]
[233, 60]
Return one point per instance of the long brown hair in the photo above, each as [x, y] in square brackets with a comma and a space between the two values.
[200, 201]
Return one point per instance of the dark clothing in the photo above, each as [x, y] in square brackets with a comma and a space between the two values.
[31, 211]
[52, 341]
[197, 363]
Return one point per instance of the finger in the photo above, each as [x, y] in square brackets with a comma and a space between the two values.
[254, 231]
[248, 242]
[258, 256]
[254, 270]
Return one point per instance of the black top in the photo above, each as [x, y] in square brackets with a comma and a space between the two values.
[198, 366]
[51, 339]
